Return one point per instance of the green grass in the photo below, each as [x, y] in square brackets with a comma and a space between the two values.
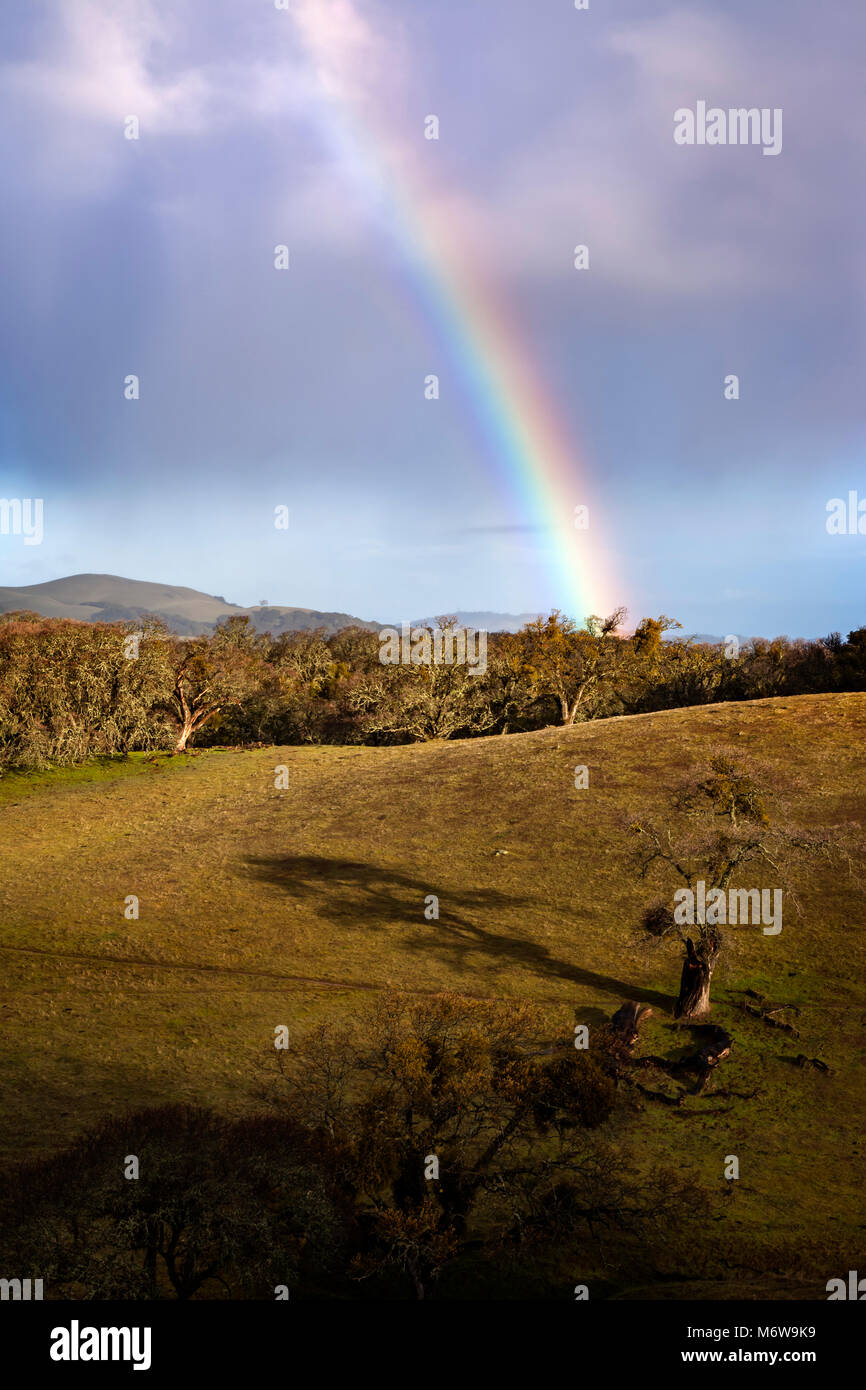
[260, 907]
[16, 785]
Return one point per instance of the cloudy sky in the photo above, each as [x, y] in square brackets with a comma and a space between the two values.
[259, 387]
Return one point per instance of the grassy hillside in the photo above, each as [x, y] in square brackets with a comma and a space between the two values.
[261, 906]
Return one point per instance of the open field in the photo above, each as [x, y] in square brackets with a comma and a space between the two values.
[261, 906]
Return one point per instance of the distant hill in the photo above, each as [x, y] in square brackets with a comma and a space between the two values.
[487, 622]
[109, 598]
[707, 638]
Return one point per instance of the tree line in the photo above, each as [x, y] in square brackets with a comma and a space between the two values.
[71, 690]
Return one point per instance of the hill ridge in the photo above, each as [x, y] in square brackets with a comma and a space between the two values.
[103, 597]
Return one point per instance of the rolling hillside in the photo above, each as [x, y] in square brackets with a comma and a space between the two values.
[260, 906]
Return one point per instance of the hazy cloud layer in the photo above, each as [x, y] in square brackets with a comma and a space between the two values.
[261, 127]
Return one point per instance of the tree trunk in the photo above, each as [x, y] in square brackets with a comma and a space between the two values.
[193, 720]
[627, 1020]
[569, 711]
[150, 1267]
[183, 736]
[695, 981]
[714, 1051]
[186, 715]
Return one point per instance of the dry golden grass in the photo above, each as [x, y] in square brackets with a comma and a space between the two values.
[260, 907]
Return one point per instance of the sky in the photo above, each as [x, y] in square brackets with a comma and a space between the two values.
[306, 124]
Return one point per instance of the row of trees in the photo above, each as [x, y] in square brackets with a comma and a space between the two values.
[71, 690]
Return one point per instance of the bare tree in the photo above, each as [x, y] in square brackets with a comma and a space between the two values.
[717, 826]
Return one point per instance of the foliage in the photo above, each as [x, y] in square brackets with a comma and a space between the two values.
[329, 1193]
[239, 1205]
[71, 691]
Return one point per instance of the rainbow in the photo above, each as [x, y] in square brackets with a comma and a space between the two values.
[528, 441]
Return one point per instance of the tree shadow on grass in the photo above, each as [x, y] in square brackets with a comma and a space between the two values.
[355, 893]
[76, 1094]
